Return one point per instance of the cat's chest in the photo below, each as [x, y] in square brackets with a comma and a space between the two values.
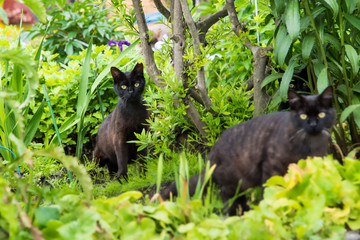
[131, 116]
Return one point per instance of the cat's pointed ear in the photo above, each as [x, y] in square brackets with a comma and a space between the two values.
[116, 74]
[139, 69]
[326, 97]
[294, 99]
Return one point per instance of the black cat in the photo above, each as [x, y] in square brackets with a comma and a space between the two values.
[263, 147]
[128, 117]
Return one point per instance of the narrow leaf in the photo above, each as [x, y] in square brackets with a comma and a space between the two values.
[284, 86]
[322, 81]
[353, 58]
[282, 45]
[347, 111]
[332, 5]
[307, 46]
[33, 125]
[84, 79]
[113, 63]
[292, 19]
[271, 78]
[353, 20]
[350, 5]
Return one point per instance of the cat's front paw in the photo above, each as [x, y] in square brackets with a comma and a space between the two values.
[121, 175]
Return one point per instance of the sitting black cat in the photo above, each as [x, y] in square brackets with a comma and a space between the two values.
[128, 117]
[254, 151]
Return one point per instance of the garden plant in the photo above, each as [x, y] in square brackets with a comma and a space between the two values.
[221, 66]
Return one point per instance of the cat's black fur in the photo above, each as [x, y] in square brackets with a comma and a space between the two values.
[128, 117]
[263, 147]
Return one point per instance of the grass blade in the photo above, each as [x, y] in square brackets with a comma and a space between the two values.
[33, 125]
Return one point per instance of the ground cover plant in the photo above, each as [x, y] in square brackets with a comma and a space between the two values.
[317, 199]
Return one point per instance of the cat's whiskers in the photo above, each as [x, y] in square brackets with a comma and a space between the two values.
[297, 134]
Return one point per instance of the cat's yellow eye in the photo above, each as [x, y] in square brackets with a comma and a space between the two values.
[136, 84]
[321, 115]
[304, 84]
[303, 116]
[291, 85]
[123, 86]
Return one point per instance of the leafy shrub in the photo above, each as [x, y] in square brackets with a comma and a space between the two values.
[317, 199]
[73, 25]
[62, 83]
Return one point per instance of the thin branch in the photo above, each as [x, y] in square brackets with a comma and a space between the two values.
[261, 98]
[196, 44]
[235, 24]
[179, 46]
[205, 24]
[162, 9]
[148, 53]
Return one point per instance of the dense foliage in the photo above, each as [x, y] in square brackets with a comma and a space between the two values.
[70, 28]
[59, 196]
[323, 38]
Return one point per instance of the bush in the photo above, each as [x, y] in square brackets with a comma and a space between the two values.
[73, 25]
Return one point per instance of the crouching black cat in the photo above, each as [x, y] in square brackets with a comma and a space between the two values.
[128, 117]
[254, 151]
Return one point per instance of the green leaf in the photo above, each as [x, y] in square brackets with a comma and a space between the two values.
[33, 125]
[44, 214]
[292, 19]
[353, 58]
[353, 20]
[113, 63]
[159, 173]
[271, 78]
[282, 45]
[351, 5]
[332, 5]
[69, 49]
[333, 41]
[307, 45]
[82, 228]
[3, 16]
[322, 81]
[284, 85]
[37, 6]
[84, 79]
[280, 6]
[347, 111]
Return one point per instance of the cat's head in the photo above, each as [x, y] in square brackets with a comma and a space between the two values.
[313, 113]
[129, 86]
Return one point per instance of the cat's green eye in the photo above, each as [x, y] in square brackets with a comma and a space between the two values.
[321, 115]
[304, 84]
[303, 116]
[291, 85]
[136, 84]
[123, 86]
